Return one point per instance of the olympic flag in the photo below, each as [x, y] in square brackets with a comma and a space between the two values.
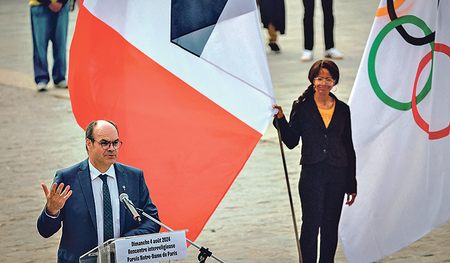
[188, 84]
[400, 119]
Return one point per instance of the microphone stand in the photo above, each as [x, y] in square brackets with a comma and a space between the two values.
[204, 252]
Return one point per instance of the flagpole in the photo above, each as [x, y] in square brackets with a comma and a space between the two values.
[204, 252]
[289, 191]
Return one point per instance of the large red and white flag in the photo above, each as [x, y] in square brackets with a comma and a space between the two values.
[400, 119]
[187, 82]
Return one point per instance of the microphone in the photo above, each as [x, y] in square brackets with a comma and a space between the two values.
[130, 207]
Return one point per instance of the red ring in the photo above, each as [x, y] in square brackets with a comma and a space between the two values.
[434, 135]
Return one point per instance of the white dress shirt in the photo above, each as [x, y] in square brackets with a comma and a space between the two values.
[97, 189]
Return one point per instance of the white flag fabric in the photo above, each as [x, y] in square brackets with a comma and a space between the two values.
[400, 120]
[188, 84]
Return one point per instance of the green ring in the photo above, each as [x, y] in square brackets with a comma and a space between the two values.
[404, 106]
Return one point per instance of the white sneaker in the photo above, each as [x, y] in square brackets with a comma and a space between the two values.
[333, 53]
[61, 85]
[307, 55]
[41, 86]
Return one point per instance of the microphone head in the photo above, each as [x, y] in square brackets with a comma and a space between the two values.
[123, 196]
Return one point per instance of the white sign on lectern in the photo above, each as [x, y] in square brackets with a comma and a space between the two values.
[152, 248]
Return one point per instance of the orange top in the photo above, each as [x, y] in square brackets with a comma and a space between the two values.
[326, 115]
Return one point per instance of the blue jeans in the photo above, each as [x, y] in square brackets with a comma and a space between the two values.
[45, 26]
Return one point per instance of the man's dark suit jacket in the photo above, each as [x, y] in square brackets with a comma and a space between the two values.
[79, 225]
[333, 145]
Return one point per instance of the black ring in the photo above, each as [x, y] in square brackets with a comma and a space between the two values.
[401, 30]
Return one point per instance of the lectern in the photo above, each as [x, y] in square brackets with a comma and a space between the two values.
[101, 254]
[143, 249]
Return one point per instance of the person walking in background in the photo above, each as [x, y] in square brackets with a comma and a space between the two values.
[328, 28]
[327, 158]
[274, 19]
[49, 22]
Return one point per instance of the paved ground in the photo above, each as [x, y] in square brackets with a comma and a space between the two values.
[253, 223]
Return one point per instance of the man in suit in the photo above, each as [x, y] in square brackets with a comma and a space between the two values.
[76, 198]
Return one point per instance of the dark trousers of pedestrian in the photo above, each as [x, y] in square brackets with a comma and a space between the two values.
[322, 190]
[328, 23]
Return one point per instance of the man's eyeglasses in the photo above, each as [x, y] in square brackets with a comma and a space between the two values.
[327, 80]
[105, 144]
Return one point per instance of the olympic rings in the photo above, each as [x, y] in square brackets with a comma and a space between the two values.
[429, 37]
[419, 120]
[404, 106]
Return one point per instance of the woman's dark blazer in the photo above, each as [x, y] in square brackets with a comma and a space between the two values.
[333, 145]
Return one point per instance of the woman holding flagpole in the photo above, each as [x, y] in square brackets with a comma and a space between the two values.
[327, 159]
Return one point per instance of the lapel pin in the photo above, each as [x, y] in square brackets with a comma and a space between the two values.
[123, 187]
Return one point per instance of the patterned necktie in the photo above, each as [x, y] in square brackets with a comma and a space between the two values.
[108, 231]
